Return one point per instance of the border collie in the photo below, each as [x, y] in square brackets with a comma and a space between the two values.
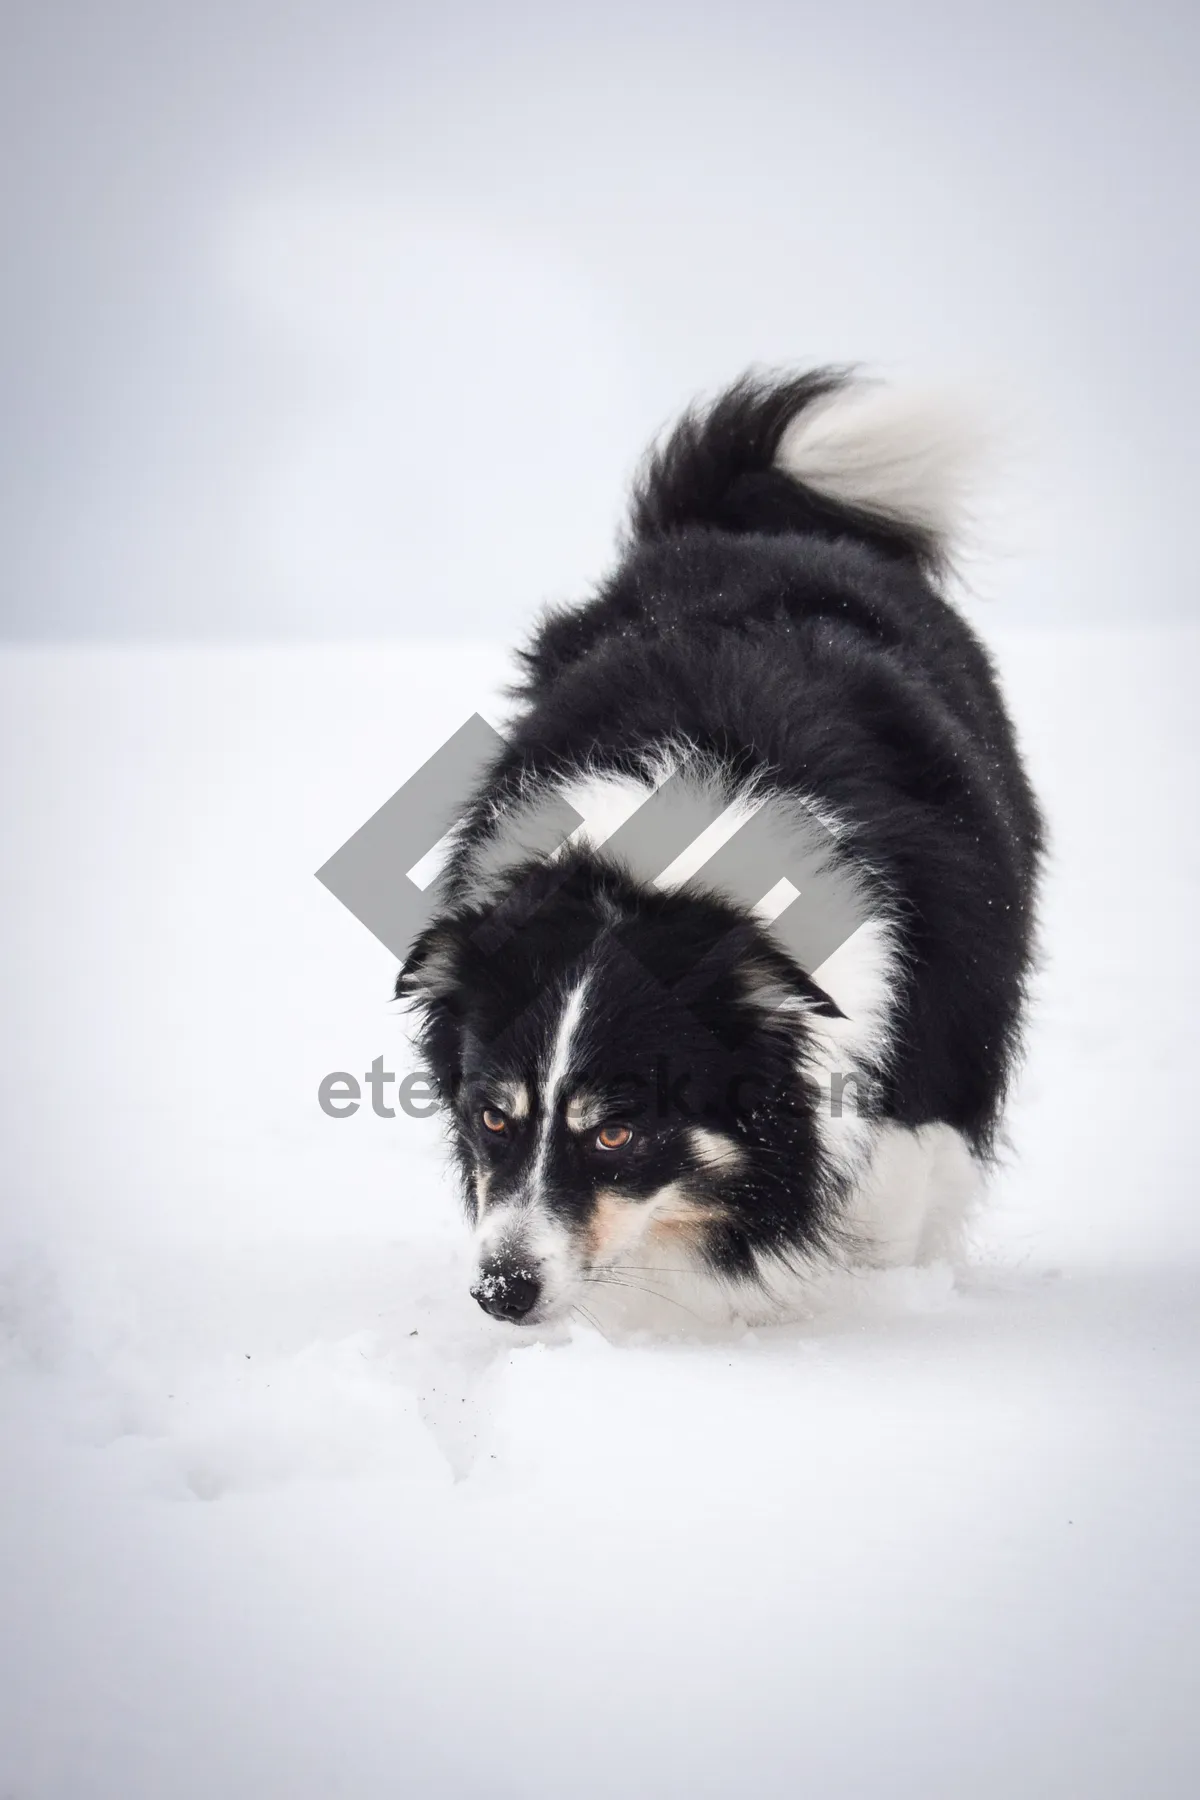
[727, 973]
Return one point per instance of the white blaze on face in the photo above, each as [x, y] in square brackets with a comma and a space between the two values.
[523, 1228]
[554, 1079]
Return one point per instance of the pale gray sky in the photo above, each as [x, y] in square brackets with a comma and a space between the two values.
[351, 320]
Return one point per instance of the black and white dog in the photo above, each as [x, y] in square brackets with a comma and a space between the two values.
[665, 1059]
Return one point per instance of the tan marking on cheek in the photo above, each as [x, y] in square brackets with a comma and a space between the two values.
[670, 1216]
[616, 1222]
[682, 1220]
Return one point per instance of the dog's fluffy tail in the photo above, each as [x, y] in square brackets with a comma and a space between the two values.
[827, 453]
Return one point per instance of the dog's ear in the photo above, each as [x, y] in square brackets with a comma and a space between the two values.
[759, 972]
[430, 974]
[774, 983]
[431, 981]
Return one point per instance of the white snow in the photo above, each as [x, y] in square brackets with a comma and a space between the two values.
[283, 1514]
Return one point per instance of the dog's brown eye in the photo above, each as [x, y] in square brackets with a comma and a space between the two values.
[613, 1137]
[494, 1121]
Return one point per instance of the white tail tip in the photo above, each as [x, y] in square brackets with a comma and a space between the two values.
[915, 456]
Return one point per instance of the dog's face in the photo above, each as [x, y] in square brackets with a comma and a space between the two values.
[622, 1075]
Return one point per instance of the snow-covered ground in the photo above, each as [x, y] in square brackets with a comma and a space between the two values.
[284, 1515]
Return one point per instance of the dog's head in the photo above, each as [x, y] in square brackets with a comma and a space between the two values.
[623, 1071]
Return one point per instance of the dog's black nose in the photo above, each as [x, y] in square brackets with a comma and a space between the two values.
[507, 1293]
